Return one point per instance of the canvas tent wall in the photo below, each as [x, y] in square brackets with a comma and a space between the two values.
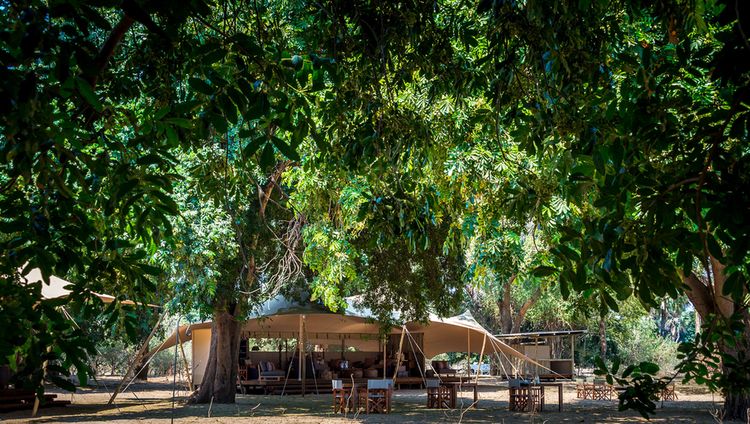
[280, 318]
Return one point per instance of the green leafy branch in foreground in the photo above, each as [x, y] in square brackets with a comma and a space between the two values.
[641, 386]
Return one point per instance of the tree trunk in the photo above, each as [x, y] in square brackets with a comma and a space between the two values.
[736, 406]
[505, 307]
[521, 315]
[142, 370]
[710, 303]
[220, 378]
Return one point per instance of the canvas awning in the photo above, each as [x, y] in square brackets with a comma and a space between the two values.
[280, 318]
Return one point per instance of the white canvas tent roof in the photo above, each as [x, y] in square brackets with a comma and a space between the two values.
[280, 318]
[57, 287]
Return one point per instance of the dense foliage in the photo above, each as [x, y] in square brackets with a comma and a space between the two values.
[195, 151]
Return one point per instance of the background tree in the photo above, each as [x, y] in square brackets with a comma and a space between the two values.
[649, 108]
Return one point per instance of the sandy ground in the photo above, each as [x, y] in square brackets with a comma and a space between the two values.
[151, 403]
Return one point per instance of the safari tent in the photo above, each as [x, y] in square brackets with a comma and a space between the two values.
[351, 335]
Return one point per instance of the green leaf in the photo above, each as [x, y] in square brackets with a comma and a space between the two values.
[62, 383]
[253, 145]
[615, 365]
[285, 149]
[713, 247]
[87, 92]
[200, 86]
[629, 370]
[172, 138]
[228, 108]
[267, 158]
[610, 301]
[564, 288]
[648, 367]
[543, 271]
[734, 286]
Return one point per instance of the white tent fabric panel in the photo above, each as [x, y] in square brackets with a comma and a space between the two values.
[57, 287]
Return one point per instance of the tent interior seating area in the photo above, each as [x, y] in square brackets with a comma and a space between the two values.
[443, 368]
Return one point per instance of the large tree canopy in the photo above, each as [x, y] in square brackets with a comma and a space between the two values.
[407, 136]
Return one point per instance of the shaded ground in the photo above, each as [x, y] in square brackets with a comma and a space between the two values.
[151, 403]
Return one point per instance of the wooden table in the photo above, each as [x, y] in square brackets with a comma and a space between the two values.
[460, 385]
[559, 394]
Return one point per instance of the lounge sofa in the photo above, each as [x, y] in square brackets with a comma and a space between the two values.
[267, 371]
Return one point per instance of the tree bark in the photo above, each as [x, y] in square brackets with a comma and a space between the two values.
[505, 306]
[142, 370]
[736, 405]
[708, 300]
[220, 378]
[525, 308]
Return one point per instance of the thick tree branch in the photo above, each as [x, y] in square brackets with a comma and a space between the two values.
[699, 295]
[521, 315]
[724, 304]
[264, 194]
[108, 49]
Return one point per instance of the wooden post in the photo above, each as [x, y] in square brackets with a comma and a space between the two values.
[187, 366]
[398, 357]
[468, 353]
[299, 351]
[572, 355]
[479, 364]
[385, 357]
[302, 357]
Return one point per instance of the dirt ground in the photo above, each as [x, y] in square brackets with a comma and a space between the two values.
[151, 403]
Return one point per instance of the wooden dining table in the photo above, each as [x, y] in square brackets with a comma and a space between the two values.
[559, 393]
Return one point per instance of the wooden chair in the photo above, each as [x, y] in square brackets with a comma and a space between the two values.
[517, 396]
[342, 398]
[376, 397]
[536, 398]
[668, 393]
[438, 396]
[242, 370]
[581, 389]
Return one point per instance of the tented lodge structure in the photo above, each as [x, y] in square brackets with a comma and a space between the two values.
[313, 343]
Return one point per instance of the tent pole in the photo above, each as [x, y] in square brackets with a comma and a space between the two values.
[299, 349]
[385, 360]
[468, 354]
[302, 360]
[572, 355]
[398, 357]
[479, 364]
[138, 356]
[185, 362]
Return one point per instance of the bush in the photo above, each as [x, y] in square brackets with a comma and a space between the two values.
[637, 340]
